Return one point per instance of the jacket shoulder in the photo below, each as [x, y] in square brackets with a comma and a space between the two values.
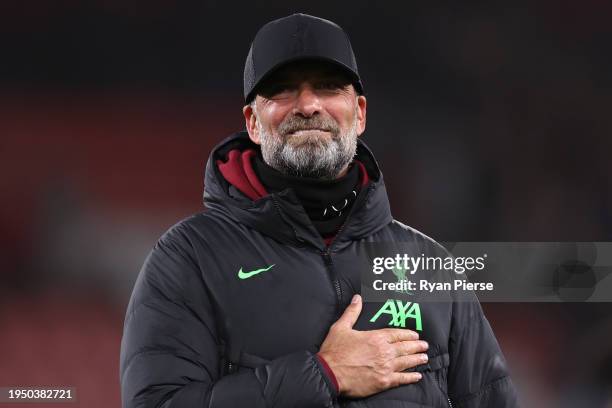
[189, 229]
[172, 266]
[409, 234]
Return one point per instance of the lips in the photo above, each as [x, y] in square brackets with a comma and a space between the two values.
[308, 130]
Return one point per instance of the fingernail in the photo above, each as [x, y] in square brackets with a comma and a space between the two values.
[425, 345]
[418, 376]
[355, 299]
[424, 357]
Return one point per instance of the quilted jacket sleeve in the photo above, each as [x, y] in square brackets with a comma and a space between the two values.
[478, 375]
[169, 351]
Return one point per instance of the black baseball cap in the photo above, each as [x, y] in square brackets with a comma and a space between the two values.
[293, 38]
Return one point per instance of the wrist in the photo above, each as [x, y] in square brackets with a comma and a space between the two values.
[324, 361]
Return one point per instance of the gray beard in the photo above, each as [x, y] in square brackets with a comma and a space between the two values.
[308, 155]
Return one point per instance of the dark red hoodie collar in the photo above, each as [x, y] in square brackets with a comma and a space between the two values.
[238, 171]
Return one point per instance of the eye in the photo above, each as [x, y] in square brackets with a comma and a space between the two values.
[278, 89]
[331, 85]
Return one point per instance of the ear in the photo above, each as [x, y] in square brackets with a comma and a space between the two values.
[250, 119]
[361, 114]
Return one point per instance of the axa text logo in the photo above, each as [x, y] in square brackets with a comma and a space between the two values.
[399, 312]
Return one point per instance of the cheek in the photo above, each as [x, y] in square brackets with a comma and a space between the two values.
[272, 116]
[343, 112]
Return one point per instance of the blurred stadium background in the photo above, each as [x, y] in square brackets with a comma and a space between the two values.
[491, 122]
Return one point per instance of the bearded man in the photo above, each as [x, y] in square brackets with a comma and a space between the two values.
[255, 301]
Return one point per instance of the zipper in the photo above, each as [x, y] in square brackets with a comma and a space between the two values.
[334, 278]
[450, 403]
[336, 403]
[330, 267]
[328, 259]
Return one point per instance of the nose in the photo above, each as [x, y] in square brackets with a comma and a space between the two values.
[307, 102]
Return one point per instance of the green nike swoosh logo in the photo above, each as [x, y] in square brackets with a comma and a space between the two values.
[246, 275]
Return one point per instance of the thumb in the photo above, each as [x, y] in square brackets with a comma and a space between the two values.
[351, 313]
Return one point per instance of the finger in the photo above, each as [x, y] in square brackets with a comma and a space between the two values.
[405, 348]
[405, 362]
[351, 313]
[398, 379]
[395, 335]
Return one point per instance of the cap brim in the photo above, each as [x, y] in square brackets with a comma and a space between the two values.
[355, 79]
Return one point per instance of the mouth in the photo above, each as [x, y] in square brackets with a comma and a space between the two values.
[304, 137]
[308, 131]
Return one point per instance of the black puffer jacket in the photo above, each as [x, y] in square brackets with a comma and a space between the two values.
[197, 335]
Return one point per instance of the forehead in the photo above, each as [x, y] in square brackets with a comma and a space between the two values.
[307, 71]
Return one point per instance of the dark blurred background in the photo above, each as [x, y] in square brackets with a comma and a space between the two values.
[491, 122]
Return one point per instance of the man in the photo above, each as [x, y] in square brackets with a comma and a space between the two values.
[254, 303]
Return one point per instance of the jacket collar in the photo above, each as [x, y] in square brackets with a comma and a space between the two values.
[281, 215]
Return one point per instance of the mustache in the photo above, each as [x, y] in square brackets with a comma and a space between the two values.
[297, 123]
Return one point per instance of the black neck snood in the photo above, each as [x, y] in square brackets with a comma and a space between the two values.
[327, 202]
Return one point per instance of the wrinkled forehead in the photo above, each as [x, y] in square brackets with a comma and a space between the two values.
[309, 70]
